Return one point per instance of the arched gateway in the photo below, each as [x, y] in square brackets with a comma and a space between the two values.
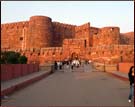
[74, 55]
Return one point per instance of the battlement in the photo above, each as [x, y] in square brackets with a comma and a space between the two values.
[14, 25]
[110, 29]
[70, 42]
[63, 24]
[94, 31]
[82, 27]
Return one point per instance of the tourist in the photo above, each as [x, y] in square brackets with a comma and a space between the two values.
[89, 61]
[67, 67]
[60, 65]
[55, 65]
[85, 66]
[131, 79]
[72, 65]
[77, 63]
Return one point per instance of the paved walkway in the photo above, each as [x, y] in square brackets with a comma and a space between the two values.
[73, 89]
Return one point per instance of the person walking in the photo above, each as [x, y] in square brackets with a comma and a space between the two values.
[55, 65]
[72, 65]
[131, 79]
[67, 67]
[60, 65]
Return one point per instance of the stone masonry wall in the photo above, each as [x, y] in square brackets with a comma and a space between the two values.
[62, 31]
[83, 32]
[13, 35]
[116, 53]
[40, 32]
[94, 30]
[127, 39]
[107, 36]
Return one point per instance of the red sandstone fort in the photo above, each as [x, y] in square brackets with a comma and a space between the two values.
[42, 40]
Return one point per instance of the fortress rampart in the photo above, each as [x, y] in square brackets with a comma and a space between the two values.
[107, 36]
[42, 40]
[12, 35]
[83, 31]
[40, 32]
[62, 31]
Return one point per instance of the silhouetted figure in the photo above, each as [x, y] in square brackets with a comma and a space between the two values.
[72, 65]
[55, 65]
[60, 65]
[131, 79]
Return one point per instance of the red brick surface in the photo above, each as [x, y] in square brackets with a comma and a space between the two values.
[125, 67]
[10, 71]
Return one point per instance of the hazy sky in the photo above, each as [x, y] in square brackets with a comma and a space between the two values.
[98, 13]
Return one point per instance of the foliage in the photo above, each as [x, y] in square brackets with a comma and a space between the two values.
[11, 57]
[22, 59]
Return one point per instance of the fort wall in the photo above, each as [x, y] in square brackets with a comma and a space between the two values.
[42, 40]
[107, 36]
[127, 39]
[83, 32]
[116, 53]
[40, 32]
[112, 54]
[94, 30]
[62, 31]
[13, 35]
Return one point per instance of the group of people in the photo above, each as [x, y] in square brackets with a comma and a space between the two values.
[58, 65]
[61, 64]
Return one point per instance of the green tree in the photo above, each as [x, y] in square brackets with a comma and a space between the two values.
[11, 57]
[22, 59]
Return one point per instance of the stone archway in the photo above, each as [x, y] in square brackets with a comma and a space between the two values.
[74, 55]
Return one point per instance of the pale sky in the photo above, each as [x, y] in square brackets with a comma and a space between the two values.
[98, 13]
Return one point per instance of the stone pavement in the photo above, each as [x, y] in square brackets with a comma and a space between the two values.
[73, 89]
[7, 86]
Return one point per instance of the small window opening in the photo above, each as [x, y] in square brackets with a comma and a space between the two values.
[21, 38]
[85, 43]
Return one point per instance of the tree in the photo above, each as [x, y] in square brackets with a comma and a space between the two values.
[22, 59]
[11, 57]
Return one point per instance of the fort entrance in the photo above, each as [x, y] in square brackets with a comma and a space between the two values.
[74, 55]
